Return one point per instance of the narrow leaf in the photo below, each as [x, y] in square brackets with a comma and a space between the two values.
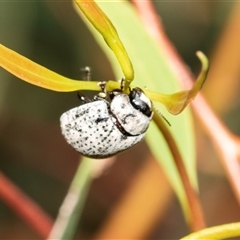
[105, 27]
[229, 230]
[176, 102]
[38, 75]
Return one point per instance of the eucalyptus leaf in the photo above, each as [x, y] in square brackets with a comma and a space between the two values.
[152, 71]
[36, 74]
[109, 33]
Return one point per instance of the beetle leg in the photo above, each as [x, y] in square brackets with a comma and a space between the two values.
[103, 93]
[122, 84]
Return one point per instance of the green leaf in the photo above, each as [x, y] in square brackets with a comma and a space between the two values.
[152, 71]
[177, 102]
[38, 75]
[105, 27]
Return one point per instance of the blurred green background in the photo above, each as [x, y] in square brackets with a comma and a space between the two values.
[34, 155]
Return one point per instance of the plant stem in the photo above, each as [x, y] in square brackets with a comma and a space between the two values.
[196, 221]
[70, 211]
[24, 207]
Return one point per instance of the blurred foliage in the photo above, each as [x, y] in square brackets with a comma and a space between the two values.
[29, 115]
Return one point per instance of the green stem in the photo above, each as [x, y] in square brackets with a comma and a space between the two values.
[71, 209]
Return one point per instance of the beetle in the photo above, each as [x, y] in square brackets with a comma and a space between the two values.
[108, 124]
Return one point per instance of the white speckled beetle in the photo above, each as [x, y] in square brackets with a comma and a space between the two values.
[102, 128]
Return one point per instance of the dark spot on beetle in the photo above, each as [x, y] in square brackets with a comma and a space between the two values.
[123, 137]
[99, 119]
[123, 105]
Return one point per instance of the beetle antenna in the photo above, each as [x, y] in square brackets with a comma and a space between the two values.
[164, 118]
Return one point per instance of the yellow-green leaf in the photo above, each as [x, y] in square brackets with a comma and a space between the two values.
[176, 102]
[38, 75]
[105, 27]
[225, 231]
